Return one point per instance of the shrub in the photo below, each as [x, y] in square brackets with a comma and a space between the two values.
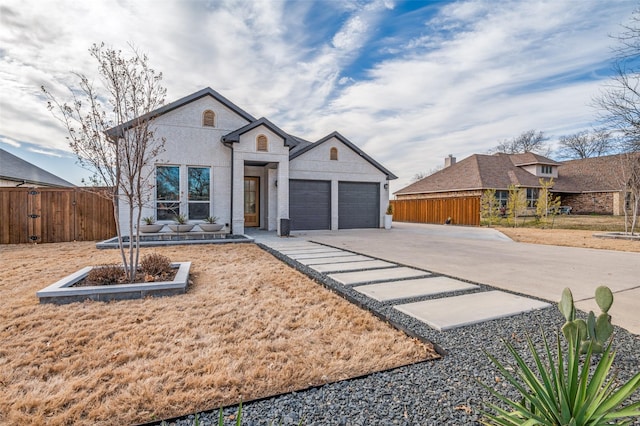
[563, 390]
[106, 275]
[155, 264]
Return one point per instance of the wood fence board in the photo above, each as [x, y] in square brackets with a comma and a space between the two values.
[62, 214]
[462, 211]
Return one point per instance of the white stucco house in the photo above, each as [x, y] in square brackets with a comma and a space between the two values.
[221, 161]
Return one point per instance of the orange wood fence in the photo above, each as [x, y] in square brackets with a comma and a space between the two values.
[462, 211]
[52, 215]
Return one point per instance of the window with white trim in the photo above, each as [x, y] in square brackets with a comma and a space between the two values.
[167, 192]
[199, 182]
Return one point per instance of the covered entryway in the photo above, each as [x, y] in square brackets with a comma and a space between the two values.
[310, 204]
[251, 201]
[358, 205]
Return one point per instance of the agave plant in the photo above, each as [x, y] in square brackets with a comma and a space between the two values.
[564, 391]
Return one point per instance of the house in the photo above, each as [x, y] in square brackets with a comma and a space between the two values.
[15, 171]
[221, 161]
[590, 185]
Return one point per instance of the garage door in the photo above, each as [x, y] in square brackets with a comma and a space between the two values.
[358, 205]
[310, 204]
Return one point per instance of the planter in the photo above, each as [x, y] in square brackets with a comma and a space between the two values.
[151, 229]
[176, 227]
[387, 221]
[211, 227]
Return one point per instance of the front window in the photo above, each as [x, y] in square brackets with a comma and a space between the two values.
[547, 170]
[532, 197]
[502, 197]
[199, 192]
[167, 192]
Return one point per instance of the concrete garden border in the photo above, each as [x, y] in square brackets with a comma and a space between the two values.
[62, 291]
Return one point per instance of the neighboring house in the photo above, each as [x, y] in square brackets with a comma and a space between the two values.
[221, 161]
[591, 185]
[15, 171]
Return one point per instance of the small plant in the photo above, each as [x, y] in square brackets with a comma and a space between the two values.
[150, 220]
[211, 219]
[181, 219]
[561, 391]
[390, 209]
[155, 264]
[106, 275]
[594, 332]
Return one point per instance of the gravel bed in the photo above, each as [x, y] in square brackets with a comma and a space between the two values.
[440, 392]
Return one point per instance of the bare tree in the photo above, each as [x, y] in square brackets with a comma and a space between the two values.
[547, 203]
[585, 144]
[421, 175]
[619, 103]
[529, 141]
[516, 203]
[111, 132]
[489, 207]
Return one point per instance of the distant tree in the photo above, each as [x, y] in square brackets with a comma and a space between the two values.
[489, 207]
[619, 106]
[120, 161]
[620, 102]
[585, 144]
[529, 141]
[516, 203]
[421, 175]
[547, 202]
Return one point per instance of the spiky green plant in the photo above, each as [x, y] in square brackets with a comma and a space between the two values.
[564, 391]
[595, 332]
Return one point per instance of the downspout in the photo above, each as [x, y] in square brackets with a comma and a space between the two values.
[230, 146]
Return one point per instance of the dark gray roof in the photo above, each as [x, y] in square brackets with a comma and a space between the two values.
[234, 136]
[183, 101]
[390, 176]
[21, 171]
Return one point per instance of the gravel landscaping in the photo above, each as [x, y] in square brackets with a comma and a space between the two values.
[442, 392]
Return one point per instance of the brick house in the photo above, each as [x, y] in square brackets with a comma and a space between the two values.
[591, 185]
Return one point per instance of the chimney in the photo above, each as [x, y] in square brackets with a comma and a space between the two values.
[449, 161]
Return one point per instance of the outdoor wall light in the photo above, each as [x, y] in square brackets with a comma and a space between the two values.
[386, 186]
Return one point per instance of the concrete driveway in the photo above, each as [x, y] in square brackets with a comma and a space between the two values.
[486, 256]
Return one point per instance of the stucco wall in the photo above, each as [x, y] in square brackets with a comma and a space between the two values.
[316, 164]
[188, 143]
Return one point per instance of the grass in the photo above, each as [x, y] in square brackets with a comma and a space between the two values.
[248, 327]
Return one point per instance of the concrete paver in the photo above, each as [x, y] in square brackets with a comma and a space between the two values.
[333, 253]
[307, 250]
[452, 312]
[413, 288]
[334, 259]
[392, 274]
[351, 266]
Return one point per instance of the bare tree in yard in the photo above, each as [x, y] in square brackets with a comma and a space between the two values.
[529, 141]
[489, 206]
[547, 203]
[516, 203]
[619, 107]
[585, 144]
[112, 134]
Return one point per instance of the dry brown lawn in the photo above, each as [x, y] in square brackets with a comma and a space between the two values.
[569, 237]
[249, 327]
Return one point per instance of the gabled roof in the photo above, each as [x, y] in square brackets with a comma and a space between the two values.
[234, 136]
[16, 169]
[479, 172]
[208, 91]
[597, 174]
[390, 176]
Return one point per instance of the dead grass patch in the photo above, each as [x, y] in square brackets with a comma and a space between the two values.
[248, 327]
[569, 238]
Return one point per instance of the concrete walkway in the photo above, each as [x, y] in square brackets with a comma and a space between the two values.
[479, 255]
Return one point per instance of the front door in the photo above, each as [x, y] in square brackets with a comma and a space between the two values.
[251, 201]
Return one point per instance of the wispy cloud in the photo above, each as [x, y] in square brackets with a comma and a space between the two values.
[410, 82]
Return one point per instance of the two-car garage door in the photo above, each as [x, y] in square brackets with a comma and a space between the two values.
[310, 204]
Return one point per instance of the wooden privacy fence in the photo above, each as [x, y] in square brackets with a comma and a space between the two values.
[462, 211]
[52, 215]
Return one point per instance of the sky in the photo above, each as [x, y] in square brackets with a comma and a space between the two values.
[409, 82]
